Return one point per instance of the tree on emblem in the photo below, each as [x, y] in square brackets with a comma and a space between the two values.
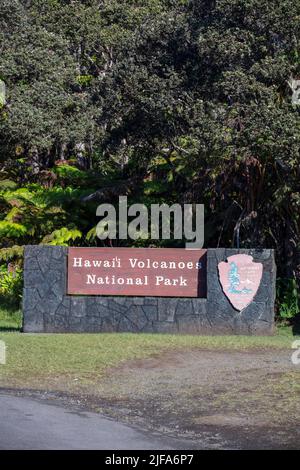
[234, 280]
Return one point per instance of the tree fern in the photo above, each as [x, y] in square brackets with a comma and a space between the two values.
[8, 254]
[62, 237]
[12, 229]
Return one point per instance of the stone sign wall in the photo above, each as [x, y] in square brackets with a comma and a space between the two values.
[47, 307]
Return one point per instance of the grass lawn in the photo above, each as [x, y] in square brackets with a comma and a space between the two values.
[10, 319]
[48, 361]
[242, 383]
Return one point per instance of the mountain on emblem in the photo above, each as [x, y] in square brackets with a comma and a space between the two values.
[240, 278]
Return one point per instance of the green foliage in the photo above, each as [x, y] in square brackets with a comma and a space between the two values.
[91, 236]
[34, 214]
[11, 229]
[12, 253]
[162, 100]
[10, 317]
[288, 298]
[7, 185]
[2, 94]
[154, 188]
[62, 237]
[70, 175]
[203, 89]
[11, 285]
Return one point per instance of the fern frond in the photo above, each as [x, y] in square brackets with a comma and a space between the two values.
[12, 229]
[91, 235]
[7, 254]
[61, 237]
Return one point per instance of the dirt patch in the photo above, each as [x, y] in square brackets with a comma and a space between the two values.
[217, 399]
[234, 399]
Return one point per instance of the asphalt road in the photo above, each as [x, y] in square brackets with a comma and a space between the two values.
[27, 424]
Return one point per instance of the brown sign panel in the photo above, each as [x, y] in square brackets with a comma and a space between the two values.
[137, 272]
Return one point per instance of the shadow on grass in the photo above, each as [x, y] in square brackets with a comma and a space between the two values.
[296, 325]
[10, 317]
[10, 329]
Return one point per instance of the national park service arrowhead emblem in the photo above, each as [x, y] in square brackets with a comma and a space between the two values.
[240, 278]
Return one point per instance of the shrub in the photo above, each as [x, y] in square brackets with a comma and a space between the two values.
[11, 284]
[287, 298]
